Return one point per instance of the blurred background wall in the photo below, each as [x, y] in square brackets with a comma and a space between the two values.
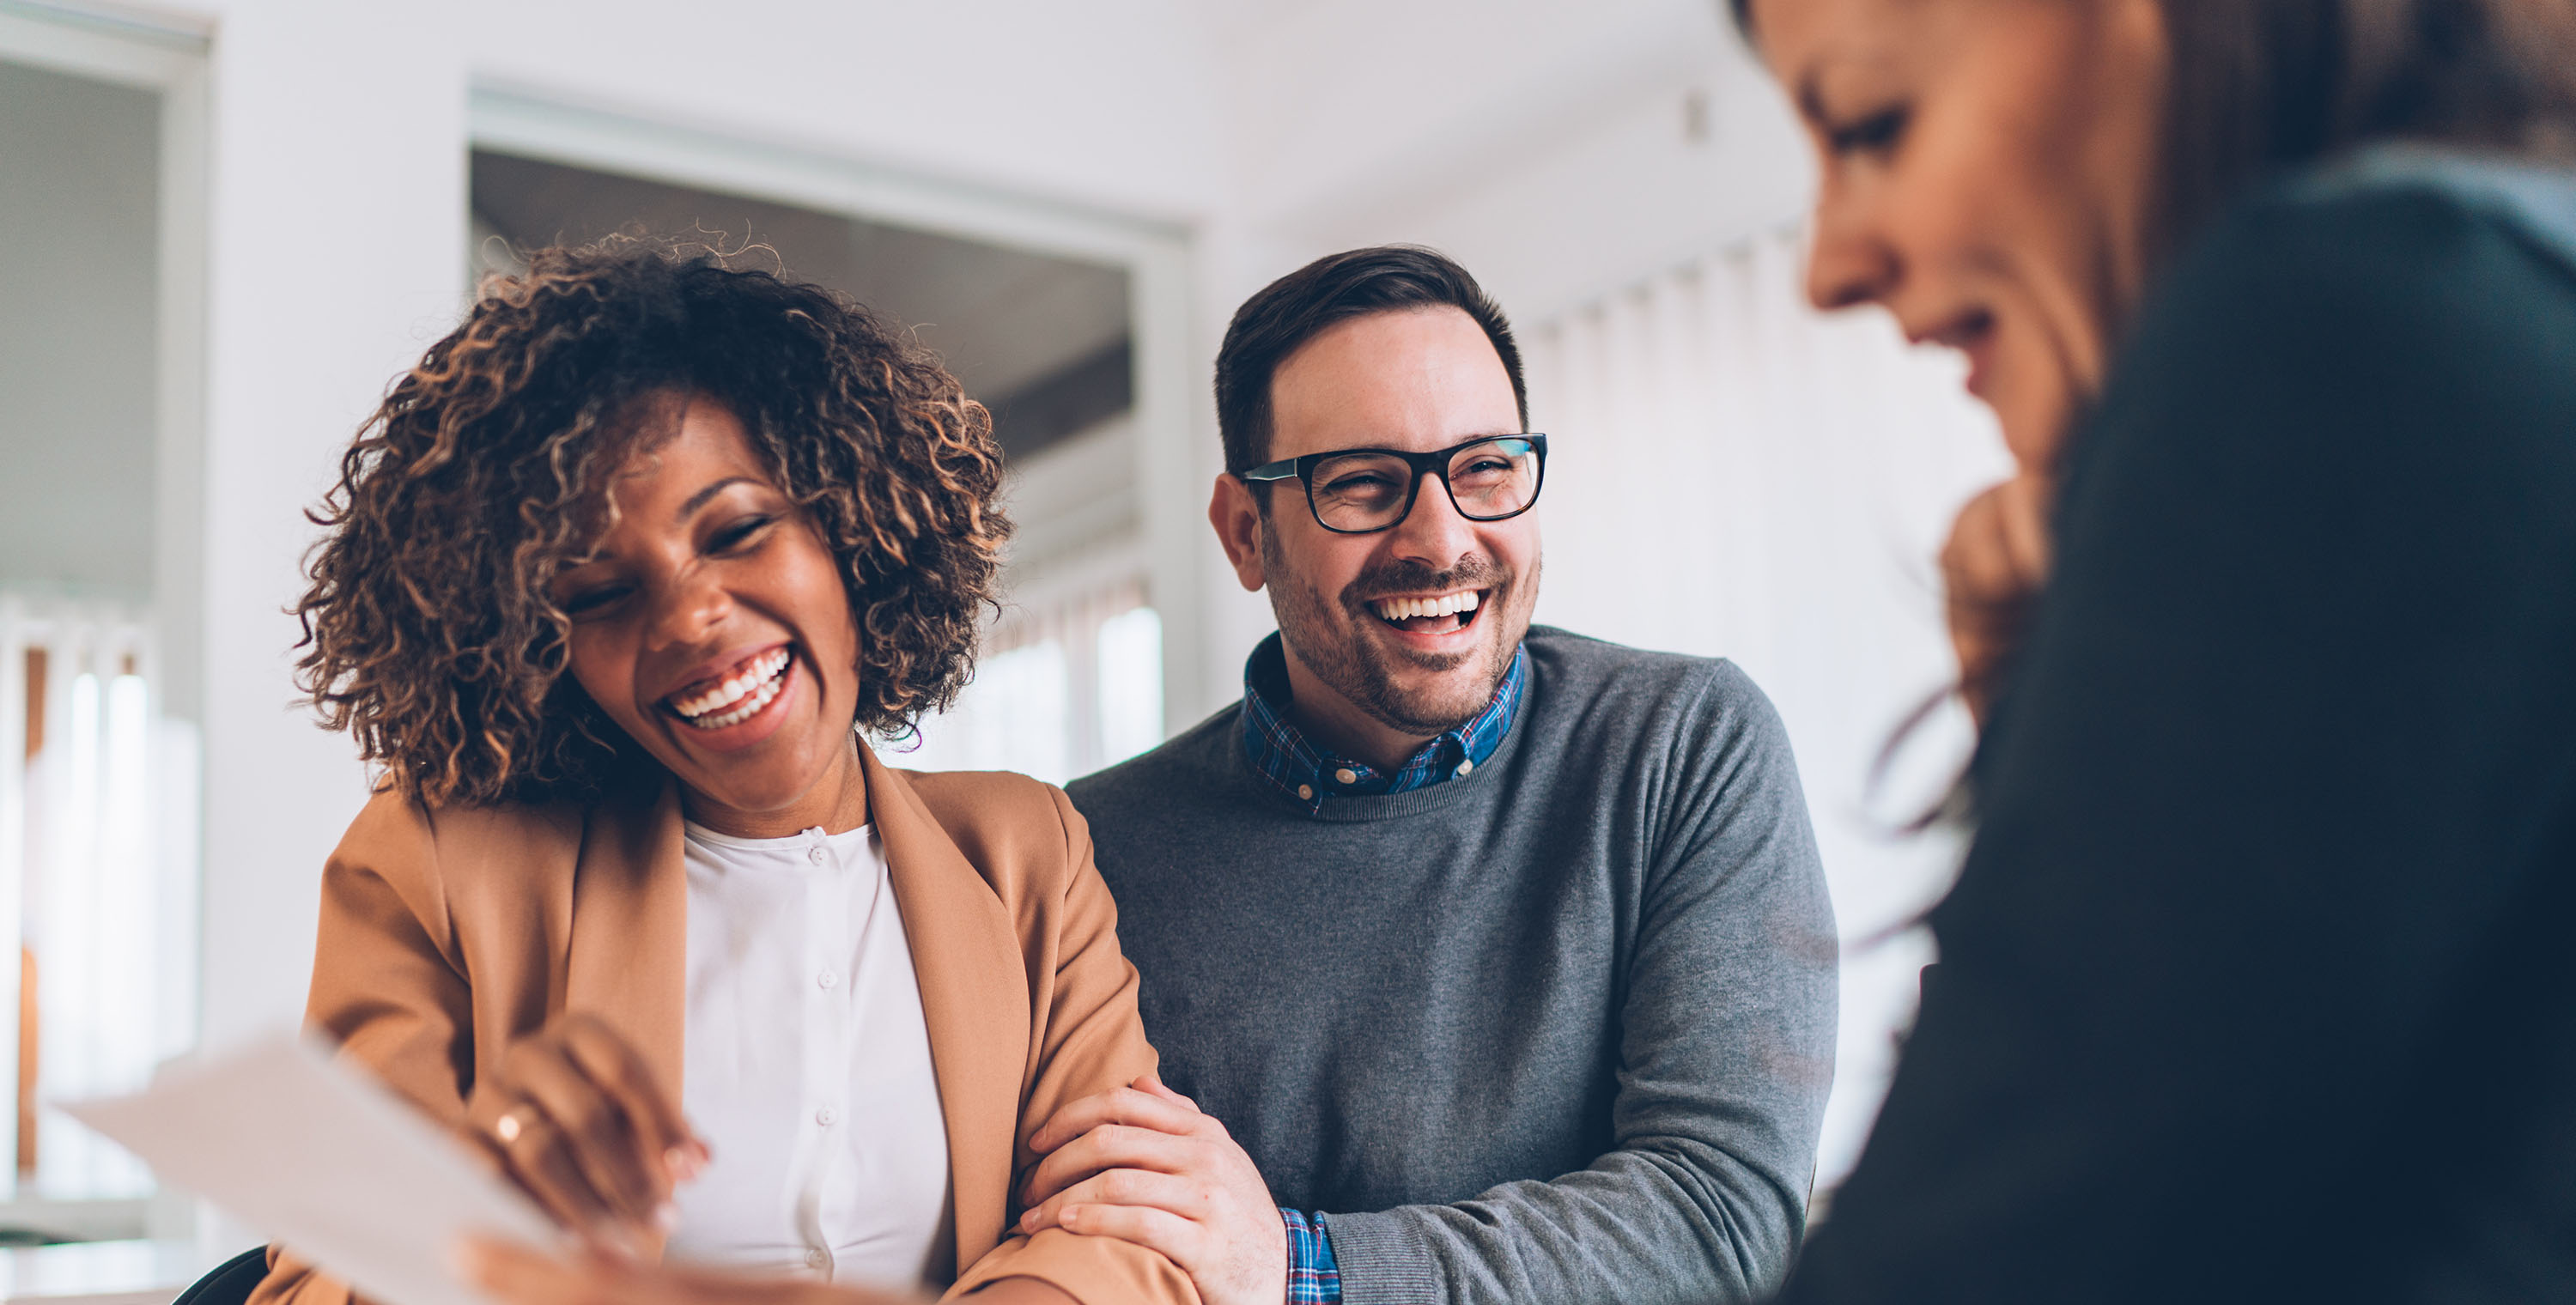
[234, 221]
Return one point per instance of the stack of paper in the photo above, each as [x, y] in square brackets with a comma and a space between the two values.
[326, 1161]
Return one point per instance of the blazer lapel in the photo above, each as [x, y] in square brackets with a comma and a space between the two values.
[628, 958]
[974, 997]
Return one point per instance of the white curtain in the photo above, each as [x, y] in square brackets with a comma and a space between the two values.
[98, 822]
[1733, 474]
[1065, 685]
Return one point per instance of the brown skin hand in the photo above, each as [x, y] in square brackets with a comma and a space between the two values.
[573, 1116]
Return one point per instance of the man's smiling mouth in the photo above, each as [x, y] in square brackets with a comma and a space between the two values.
[735, 698]
[1431, 614]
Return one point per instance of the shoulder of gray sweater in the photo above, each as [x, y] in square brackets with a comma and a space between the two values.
[1701, 722]
[1730, 813]
[1685, 690]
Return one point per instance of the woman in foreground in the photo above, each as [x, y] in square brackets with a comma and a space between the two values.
[2254, 984]
[614, 580]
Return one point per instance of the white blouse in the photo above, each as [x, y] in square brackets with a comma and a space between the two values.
[807, 1066]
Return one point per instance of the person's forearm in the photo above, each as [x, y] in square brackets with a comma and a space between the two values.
[1632, 1218]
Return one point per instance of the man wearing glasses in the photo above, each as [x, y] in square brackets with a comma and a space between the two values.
[1487, 962]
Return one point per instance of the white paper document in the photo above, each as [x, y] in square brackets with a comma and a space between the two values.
[326, 1161]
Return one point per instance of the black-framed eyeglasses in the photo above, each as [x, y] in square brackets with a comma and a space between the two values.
[1362, 491]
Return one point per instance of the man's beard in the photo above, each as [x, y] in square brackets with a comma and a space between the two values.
[1324, 634]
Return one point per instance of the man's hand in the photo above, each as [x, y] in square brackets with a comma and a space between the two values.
[1142, 1164]
[1992, 569]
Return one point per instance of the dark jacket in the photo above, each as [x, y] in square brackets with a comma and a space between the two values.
[2256, 984]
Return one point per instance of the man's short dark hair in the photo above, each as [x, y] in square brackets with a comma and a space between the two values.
[1336, 288]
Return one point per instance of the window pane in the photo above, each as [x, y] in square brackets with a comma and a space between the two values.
[102, 821]
[1131, 684]
[1014, 716]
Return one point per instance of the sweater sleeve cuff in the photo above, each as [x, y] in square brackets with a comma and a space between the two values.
[1381, 1262]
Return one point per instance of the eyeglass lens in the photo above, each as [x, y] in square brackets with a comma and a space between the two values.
[1370, 491]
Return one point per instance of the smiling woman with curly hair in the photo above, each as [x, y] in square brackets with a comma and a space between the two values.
[615, 583]
[435, 634]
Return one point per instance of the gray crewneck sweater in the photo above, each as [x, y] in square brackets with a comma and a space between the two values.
[1559, 1030]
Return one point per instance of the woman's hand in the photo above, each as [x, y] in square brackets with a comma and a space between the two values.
[1991, 571]
[1142, 1164]
[574, 1117]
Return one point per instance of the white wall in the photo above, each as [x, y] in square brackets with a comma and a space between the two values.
[336, 208]
[1546, 145]
[1099, 103]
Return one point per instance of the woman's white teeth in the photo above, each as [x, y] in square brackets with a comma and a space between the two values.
[739, 697]
[1405, 609]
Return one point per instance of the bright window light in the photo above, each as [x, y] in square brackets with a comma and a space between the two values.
[1081, 689]
[1131, 684]
[100, 816]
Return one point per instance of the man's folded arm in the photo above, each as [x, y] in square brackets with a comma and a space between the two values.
[1727, 1037]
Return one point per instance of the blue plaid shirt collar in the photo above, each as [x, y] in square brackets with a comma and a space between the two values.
[1280, 753]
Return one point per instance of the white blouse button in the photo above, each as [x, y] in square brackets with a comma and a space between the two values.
[815, 854]
[817, 1258]
[827, 1116]
[1346, 775]
[827, 978]
[1466, 768]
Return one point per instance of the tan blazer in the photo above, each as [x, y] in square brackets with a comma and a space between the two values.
[448, 934]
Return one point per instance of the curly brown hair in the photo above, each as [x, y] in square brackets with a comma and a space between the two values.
[429, 629]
